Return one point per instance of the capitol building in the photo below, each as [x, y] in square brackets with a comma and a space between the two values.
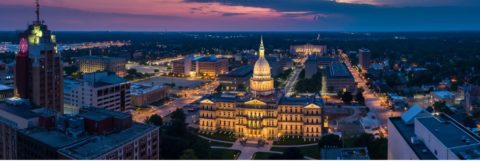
[263, 113]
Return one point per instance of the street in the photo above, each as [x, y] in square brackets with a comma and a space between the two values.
[380, 112]
[190, 96]
[293, 78]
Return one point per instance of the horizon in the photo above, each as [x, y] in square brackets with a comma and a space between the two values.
[246, 16]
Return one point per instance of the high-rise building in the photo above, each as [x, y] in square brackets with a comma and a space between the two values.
[261, 82]
[99, 89]
[90, 64]
[38, 67]
[364, 58]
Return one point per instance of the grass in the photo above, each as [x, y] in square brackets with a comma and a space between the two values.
[220, 144]
[216, 143]
[291, 141]
[262, 155]
[224, 154]
[225, 136]
[309, 151]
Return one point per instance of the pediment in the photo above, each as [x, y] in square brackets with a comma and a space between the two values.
[207, 101]
[255, 102]
[312, 106]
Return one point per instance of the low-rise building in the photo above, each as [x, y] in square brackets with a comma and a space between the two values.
[471, 101]
[419, 135]
[325, 61]
[443, 96]
[6, 92]
[311, 67]
[92, 134]
[237, 79]
[12, 119]
[90, 64]
[182, 67]
[210, 66]
[262, 118]
[6, 73]
[143, 95]
[308, 49]
[359, 153]
[99, 89]
[338, 78]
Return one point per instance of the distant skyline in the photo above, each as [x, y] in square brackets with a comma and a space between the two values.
[244, 15]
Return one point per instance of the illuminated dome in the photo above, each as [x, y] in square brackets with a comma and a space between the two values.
[261, 82]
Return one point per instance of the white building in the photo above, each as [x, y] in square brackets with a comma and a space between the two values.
[419, 135]
[99, 89]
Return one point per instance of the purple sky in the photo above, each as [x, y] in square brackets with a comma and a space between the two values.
[245, 15]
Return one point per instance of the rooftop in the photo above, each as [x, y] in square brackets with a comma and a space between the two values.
[408, 132]
[22, 111]
[448, 133]
[205, 59]
[100, 114]
[137, 89]
[52, 138]
[242, 71]
[327, 59]
[360, 153]
[105, 58]
[443, 94]
[5, 87]
[339, 70]
[294, 101]
[95, 146]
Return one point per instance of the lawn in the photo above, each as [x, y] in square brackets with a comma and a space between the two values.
[225, 136]
[224, 154]
[291, 141]
[262, 155]
[220, 144]
[309, 151]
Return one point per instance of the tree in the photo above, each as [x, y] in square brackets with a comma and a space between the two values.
[469, 122]
[330, 140]
[363, 140]
[155, 120]
[347, 97]
[188, 154]
[276, 156]
[441, 106]
[178, 126]
[240, 87]
[292, 153]
[201, 148]
[69, 70]
[178, 115]
[359, 98]
[378, 149]
[172, 147]
[302, 74]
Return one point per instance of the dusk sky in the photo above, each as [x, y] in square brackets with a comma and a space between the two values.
[245, 15]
